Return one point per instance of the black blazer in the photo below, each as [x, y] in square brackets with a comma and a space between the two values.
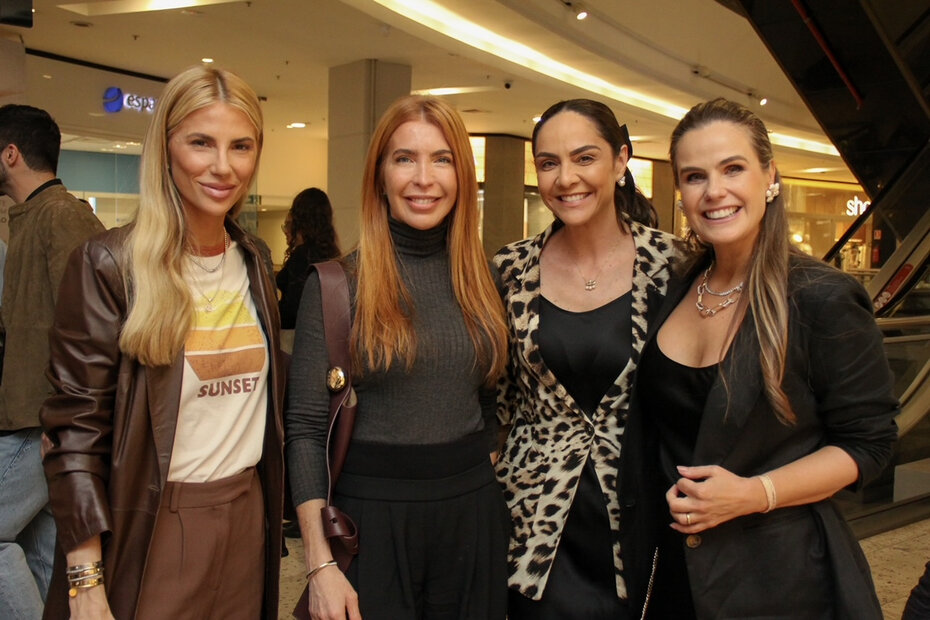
[780, 564]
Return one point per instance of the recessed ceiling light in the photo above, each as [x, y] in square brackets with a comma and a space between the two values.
[206, 60]
[46, 76]
[297, 125]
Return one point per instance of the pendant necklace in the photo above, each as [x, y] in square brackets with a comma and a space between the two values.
[219, 264]
[731, 296]
[209, 307]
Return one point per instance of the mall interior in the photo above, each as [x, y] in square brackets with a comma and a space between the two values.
[845, 95]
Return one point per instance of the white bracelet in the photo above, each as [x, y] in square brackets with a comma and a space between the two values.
[770, 494]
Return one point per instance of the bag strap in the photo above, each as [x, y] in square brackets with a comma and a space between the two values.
[337, 315]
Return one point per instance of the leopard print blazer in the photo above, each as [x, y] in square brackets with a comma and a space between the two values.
[551, 437]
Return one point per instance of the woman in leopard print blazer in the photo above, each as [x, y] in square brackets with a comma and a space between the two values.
[578, 298]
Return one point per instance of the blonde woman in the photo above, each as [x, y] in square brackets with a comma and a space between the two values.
[429, 342]
[166, 462]
[766, 388]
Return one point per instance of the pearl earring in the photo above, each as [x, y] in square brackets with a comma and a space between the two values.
[773, 191]
[622, 181]
[679, 205]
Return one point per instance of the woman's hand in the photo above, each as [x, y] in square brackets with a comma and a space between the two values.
[706, 496]
[332, 596]
[90, 604]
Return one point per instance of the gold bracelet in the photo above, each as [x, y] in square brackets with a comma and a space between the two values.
[319, 568]
[769, 491]
[90, 583]
[79, 568]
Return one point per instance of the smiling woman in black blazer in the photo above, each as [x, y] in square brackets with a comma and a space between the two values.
[764, 392]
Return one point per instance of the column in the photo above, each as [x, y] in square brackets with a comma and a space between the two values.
[359, 93]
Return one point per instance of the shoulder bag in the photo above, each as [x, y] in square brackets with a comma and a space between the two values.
[337, 526]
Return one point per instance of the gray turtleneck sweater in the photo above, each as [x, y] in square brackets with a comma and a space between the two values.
[440, 399]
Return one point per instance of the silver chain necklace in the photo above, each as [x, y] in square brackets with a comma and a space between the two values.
[732, 295]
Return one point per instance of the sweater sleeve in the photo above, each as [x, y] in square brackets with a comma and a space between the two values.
[308, 400]
[78, 419]
[850, 376]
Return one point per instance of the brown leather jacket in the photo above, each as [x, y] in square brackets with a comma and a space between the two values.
[112, 421]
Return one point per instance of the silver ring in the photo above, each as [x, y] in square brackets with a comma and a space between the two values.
[688, 517]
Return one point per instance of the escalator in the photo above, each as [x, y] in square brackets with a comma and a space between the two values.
[863, 69]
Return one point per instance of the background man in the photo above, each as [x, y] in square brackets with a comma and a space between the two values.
[46, 224]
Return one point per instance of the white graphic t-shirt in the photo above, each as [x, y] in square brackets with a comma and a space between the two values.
[221, 421]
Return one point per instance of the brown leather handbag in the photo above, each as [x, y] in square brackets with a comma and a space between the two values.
[337, 318]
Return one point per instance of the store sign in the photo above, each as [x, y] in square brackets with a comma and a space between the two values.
[856, 207]
[115, 100]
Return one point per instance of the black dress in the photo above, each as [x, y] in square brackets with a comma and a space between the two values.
[674, 403]
[586, 351]
[290, 280]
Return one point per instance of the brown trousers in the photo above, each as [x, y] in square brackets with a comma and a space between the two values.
[207, 554]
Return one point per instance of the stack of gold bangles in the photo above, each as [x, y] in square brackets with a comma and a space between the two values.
[83, 576]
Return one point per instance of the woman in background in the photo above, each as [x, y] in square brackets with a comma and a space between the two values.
[166, 462]
[579, 298]
[311, 238]
[768, 389]
[428, 341]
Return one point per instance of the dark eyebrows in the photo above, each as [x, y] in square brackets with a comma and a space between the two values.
[723, 162]
[733, 158]
[580, 149]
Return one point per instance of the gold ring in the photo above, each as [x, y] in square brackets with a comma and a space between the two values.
[688, 517]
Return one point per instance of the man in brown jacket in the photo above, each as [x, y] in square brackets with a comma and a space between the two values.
[46, 224]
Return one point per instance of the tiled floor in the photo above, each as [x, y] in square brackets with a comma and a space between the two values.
[897, 559]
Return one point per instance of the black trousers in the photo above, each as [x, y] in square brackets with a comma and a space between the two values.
[433, 531]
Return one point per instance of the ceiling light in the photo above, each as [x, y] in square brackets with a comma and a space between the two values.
[579, 11]
[206, 60]
[115, 7]
[435, 17]
[297, 125]
[451, 90]
[438, 18]
[763, 101]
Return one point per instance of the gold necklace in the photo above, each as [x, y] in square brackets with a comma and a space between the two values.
[209, 307]
[732, 295]
[219, 265]
[589, 284]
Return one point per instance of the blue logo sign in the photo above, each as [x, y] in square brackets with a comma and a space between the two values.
[113, 99]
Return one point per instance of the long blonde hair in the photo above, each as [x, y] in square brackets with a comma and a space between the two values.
[767, 285]
[382, 329]
[161, 308]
